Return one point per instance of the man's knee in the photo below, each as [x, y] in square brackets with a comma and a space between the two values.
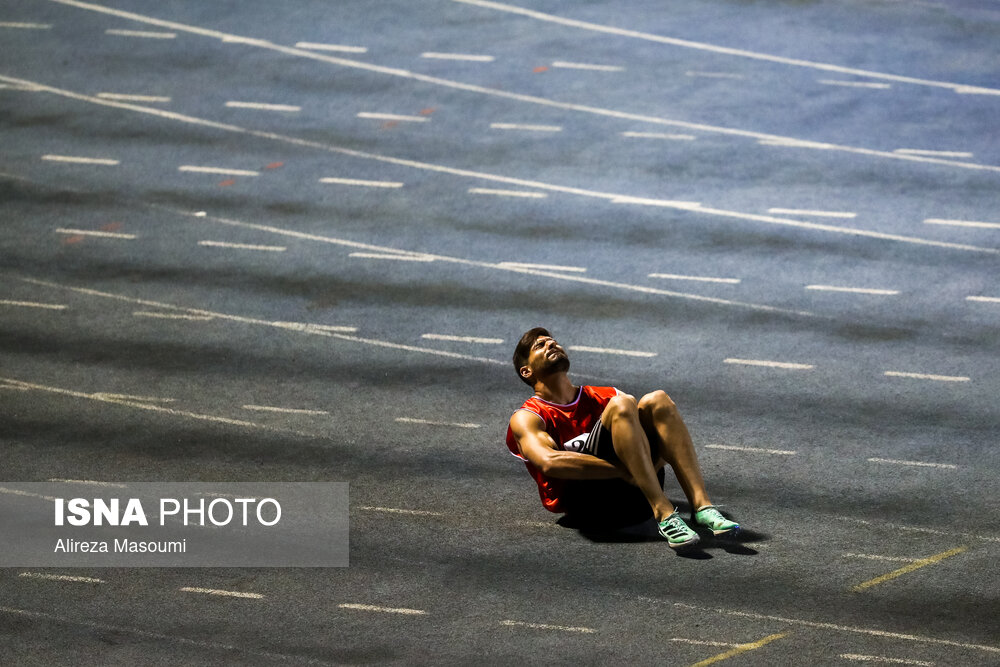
[657, 404]
[621, 406]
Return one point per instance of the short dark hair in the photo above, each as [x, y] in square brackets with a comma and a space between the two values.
[523, 350]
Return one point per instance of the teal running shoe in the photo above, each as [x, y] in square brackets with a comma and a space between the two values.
[710, 517]
[676, 532]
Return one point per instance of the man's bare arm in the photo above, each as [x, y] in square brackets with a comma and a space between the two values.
[541, 450]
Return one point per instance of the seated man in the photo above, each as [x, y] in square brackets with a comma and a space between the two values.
[573, 439]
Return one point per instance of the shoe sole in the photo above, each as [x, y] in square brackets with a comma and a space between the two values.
[728, 531]
[685, 545]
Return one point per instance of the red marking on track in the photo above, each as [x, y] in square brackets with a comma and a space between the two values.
[543, 68]
[226, 183]
[428, 111]
[389, 124]
[70, 240]
[275, 165]
[111, 227]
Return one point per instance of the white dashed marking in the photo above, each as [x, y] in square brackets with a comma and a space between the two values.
[659, 135]
[508, 193]
[231, 594]
[223, 171]
[60, 577]
[770, 364]
[387, 610]
[673, 276]
[262, 106]
[606, 350]
[527, 128]
[812, 213]
[243, 246]
[542, 267]
[962, 223]
[949, 466]
[294, 411]
[856, 84]
[32, 304]
[361, 182]
[121, 97]
[926, 376]
[392, 116]
[853, 290]
[753, 450]
[463, 339]
[457, 56]
[141, 33]
[103, 235]
[546, 626]
[560, 64]
[427, 422]
[342, 48]
[81, 160]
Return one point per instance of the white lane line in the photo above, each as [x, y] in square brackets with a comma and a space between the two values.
[918, 529]
[894, 661]
[32, 304]
[561, 64]
[714, 75]
[387, 610]
[427, 422]
[73, 159]
[702, 46]
[508, 193]
[704, 279]
[342, 48]
[917, 151]
[243, 246]
[361, 182]
[659, 135]
[293, 411]
[262, 106]
[396, 510]
[770, 364]
[665, 203]
[141, 33]
[463, 339]
[129, 397]
[392, 116]
[309, 327]
[699, 642]
[891, 559]
[392, 256]
[926, 376]
[11, 387]
[962, 223]
[853, 290]
[88, 482]
[224, 171]
[984, 299]
[458, 56]
[25, 494]
[26, 26]
[171, 316]
[103, 235]
[605, 350]
[949, 466]
[856, 84]
[812, 213]
[526, 128]
[753, 450]
[122, 97]
[215, 591]
[546, 626]
[60, 577]
[542, 267]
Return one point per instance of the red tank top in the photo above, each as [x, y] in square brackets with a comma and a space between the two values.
[569, 425]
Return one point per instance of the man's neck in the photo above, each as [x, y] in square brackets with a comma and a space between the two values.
[556, 389]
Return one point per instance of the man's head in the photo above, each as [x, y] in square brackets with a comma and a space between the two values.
[537, 355]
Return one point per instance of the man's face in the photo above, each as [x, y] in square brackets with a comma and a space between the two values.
[547, 357]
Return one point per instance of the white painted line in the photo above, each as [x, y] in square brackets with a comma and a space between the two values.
[230, 594]
[314, 328]
[604, 350]
[585, 66]
[103, 235]
[342, 48]
[673, 276]
[400, 258]
[463, 339]
[668, 203]
[89, 482]
[80, 160]
[171, 316]
[393, 116]
[508, 193]
[856, 84]
[546, 626]
[754, 450]
[812, 214]
[121, 97]
[129, 397]
[714, 75]
[543, 267]
[262, 106]
[11, 387]
[984, 299]
[457, 56]
[891, 559]
[294, 411]
[141, 33]
[32, 304]
[26, 26]
[25, 494]
[925, 376]
[975, 90]
[363, 183]
[698, 642]
[659, 135]
[949, 466]
[243, 246]
[895, 661]
[60, 577]
[396, 510]
[853, 290]
[916, 151]
[388, 610]
[413, 420]
[224, 171]
[770, 364]
[528, 128]
[962, 223]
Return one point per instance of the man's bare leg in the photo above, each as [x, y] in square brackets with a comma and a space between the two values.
[663, 426]
[621, 417]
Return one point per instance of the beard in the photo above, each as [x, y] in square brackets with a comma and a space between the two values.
[558, 365]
